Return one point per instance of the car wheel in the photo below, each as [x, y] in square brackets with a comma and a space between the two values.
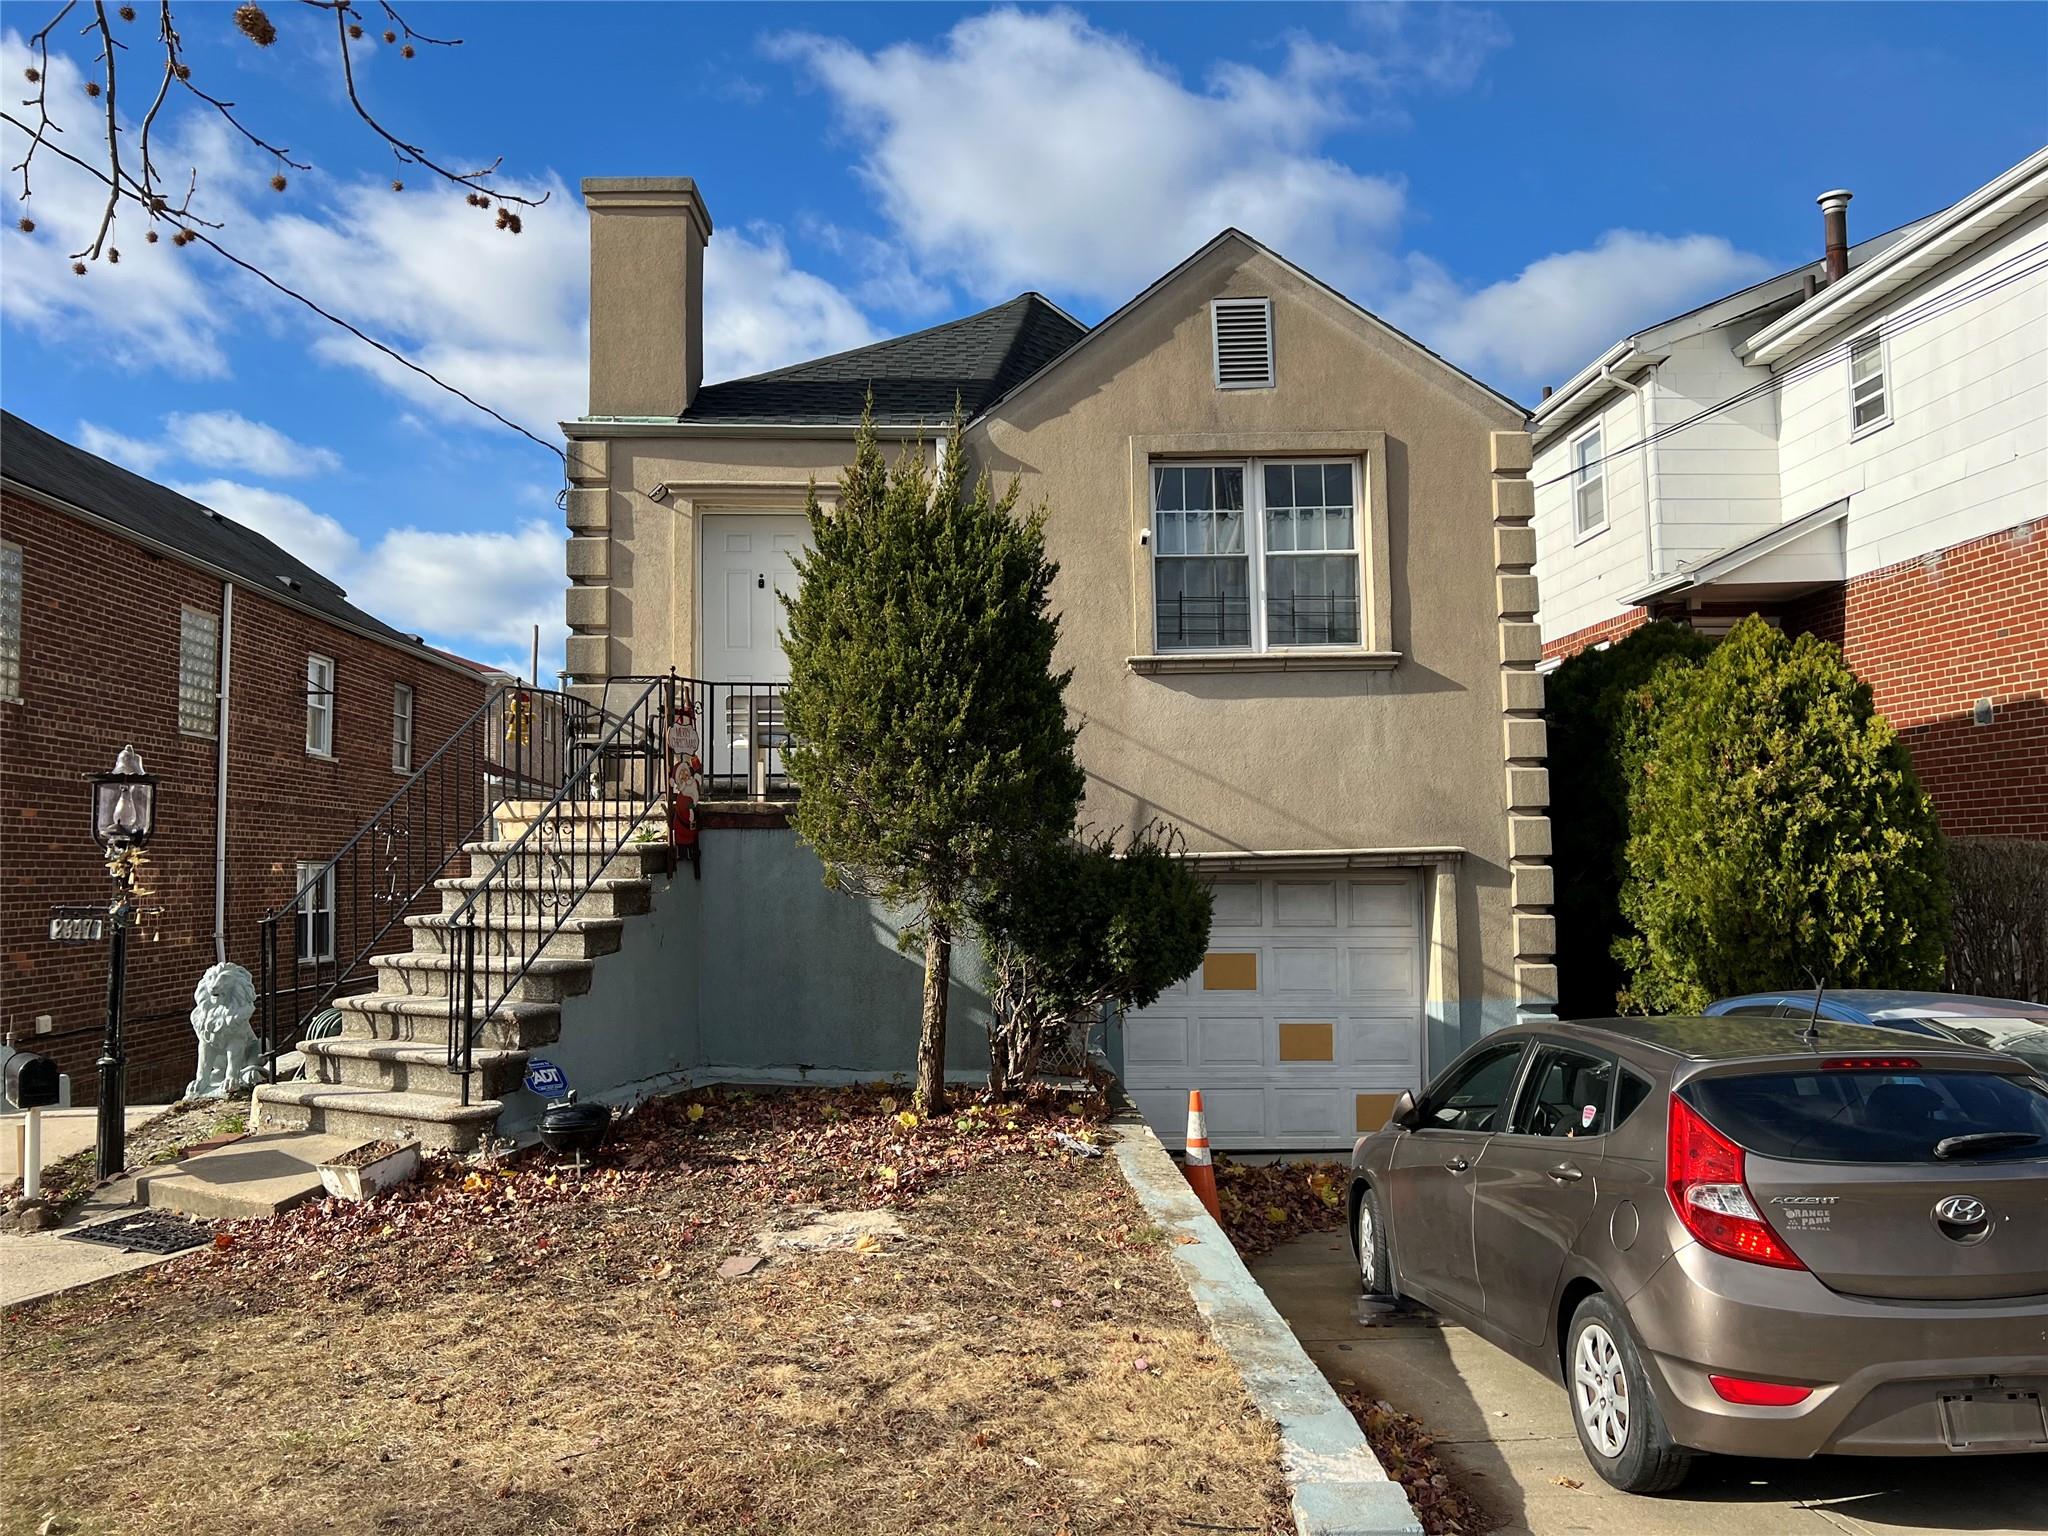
[1620, 1429]
[1375, 1273]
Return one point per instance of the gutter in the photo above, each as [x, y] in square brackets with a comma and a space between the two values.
[1646, 423]
[276, 593]
[640, 426]
[220, 785]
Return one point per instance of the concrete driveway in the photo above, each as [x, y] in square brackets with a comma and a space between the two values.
[1506, 1433]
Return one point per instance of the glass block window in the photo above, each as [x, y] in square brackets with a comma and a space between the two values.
[10, 621]
[198, 672]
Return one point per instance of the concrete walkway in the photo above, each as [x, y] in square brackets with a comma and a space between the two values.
[1506, 1433]
[64, 1132]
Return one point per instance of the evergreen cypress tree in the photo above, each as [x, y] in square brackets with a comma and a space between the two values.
[928, 731]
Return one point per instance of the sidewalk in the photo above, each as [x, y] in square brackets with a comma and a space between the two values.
[1506, 1434]
[65, 1131]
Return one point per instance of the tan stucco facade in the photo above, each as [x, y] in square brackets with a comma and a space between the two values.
[1422, 747]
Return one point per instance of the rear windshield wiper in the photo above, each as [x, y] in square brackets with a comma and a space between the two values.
[1983, 1141]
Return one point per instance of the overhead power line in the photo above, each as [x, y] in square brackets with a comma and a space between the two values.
[1982, 286]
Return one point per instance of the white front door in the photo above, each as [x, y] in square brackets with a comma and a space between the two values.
[748, 561]
[1303, 1021]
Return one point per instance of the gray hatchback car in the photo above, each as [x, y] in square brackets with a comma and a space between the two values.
[1732, 1234]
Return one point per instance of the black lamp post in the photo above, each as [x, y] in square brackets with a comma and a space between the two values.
[123, 816]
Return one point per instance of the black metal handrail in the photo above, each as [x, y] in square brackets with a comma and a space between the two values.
[614, 780]
[341, 915]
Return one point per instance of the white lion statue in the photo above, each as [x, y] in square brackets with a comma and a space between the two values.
[222, 1004]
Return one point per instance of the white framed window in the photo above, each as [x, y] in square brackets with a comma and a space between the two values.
[320, 706]
[401, 728]
[1869, 397]
[198, 672]
[315, 912]
[1258, 554]
[1241, 333]
[10, 621]
[1589, 484]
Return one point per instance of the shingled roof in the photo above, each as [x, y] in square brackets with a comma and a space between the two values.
[915, 378]
[36, 461]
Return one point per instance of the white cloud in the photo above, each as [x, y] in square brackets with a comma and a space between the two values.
[760, 311]
[154, 308]
[483, 589]
[289, 523]
[1036, 149]
[131, 452]
[1553, 317]
[214, 440]
[229, 440]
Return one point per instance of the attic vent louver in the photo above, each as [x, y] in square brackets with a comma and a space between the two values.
[1243, 331]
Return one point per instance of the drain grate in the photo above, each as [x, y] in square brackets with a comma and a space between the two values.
[145, 1232]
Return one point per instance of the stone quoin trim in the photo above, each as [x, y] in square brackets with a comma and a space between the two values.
[588, 653]
[1523, 735]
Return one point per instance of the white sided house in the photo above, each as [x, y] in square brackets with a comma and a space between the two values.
[1857, 448]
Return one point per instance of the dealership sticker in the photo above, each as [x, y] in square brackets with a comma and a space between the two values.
[1587, 1116]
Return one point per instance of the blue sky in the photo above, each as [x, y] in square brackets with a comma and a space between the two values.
[1515, 185]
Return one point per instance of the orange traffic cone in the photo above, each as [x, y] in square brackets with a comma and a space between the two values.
[1201, 1173]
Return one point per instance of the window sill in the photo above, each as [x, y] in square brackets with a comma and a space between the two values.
[319, 757]
[1587, 535]
[1858, 434]
[1170, 663]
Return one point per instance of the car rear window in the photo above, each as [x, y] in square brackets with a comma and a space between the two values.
[1876, 1116]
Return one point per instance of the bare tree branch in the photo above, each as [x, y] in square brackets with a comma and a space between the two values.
[410, 154]
[113, 177]
[132, 189]
[41, 101]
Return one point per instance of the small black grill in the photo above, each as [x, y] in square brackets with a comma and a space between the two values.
[144, 1232]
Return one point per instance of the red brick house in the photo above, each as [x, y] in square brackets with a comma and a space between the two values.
[278, 716]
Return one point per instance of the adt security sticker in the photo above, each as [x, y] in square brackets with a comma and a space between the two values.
[545, 1079]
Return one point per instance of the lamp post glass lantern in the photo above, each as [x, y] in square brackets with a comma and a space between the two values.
[123, 817]
[123, 804]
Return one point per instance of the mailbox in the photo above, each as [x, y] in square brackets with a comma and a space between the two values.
[28, 1081]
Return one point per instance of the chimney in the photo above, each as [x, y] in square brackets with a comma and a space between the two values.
[1834, 217]
[1547, 391]
[647, 239]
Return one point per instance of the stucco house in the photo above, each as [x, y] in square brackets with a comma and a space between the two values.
[1295, 583]
[1857, 447]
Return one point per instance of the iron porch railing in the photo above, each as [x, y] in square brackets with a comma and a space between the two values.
[323, 942]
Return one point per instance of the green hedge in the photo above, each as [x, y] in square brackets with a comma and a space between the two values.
[1777, 833]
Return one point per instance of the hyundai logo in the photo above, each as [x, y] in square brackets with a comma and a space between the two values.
[1964, 1218]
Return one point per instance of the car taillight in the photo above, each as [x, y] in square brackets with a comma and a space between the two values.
[1703, 1173]
[1758, 1394]
[1870, 1064]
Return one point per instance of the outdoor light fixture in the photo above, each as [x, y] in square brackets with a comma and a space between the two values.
[123, 816]
[123, 804]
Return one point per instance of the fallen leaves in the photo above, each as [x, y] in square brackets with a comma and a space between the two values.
[1265, 1204]
[1406, 1449]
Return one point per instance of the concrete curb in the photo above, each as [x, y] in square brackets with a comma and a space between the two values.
[1338, 1486]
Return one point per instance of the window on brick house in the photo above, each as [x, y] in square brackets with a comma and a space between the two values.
[401, 728]
[10, 621]
[320, 706]
[198, 672]
[315, 908]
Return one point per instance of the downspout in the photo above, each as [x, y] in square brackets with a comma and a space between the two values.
[220, 775]
[1646, 423]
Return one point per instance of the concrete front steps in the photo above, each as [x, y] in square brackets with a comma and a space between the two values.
[386, 1073]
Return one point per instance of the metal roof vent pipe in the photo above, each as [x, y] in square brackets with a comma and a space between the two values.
[1834, 217]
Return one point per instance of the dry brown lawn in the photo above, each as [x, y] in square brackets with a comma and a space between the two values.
[505, 1352]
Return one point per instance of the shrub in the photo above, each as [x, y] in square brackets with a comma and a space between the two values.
[1998, 940]
[928, 734]
[1777, 834]
[1080, 925]
[1590, 701]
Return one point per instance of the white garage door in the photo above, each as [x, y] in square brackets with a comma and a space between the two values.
[1304, 1021]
